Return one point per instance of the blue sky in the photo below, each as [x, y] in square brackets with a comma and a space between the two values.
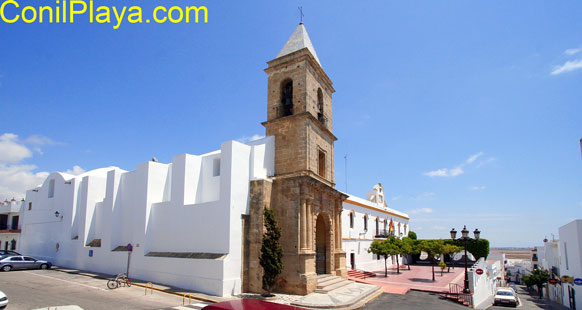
[467, 112]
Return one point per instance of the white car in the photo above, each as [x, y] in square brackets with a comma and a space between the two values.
[505, 296]
[3, 300]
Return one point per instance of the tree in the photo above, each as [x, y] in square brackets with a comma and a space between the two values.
[408, 249]
[385, 248]
[432, 248]
[450, 249]
[443, 267]
[271, 251]
[539, 277]
[412, 235]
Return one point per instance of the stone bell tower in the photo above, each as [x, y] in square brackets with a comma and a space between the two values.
[308, 207]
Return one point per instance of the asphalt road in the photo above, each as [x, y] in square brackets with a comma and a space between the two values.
[412, 300]
[31, 289]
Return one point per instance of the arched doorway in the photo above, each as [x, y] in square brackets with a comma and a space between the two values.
[321, 245]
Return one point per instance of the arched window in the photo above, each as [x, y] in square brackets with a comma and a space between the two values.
[320, 116]
[287, 97]
[13, 245]
[377, 226]
[365, 222]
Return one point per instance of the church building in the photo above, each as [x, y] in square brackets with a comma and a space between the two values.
[197, 222]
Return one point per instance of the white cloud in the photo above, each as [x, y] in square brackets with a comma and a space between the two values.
[16, 178]
[398, 197]
[421, 210]
[572, 51]
[425, 196]
[474, 157]
[477, 188]
[445, 172]
[11, 151]
[75, 171]
[249, 139]
[567, 67]
[40, 140]
[458, 170]
[485, 162]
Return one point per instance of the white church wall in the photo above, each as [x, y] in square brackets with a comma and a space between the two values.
[157, 208]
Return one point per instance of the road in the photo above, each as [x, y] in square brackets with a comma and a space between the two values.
[31, 289]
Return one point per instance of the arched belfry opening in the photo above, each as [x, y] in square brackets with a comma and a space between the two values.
[322, 245]
[320, 115]
[287, 97]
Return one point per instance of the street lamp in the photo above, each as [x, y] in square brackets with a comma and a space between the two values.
[465, 239]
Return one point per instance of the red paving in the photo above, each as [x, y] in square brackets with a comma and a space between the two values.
[417, 278]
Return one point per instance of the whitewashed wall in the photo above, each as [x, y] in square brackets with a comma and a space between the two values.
[571, 258]
[357, 241]
[177, 207]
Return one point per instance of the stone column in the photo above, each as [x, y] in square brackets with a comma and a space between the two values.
[309, 227]
[303, 227]
[338, 227]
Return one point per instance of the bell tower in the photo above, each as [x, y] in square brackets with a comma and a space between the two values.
[303, 194]
[299, 111]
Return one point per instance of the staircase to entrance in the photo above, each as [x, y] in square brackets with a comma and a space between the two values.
[327, 283]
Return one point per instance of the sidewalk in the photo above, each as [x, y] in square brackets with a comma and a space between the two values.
[158, 287]
[417, 278]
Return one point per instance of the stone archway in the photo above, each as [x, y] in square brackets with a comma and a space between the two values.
[322, 245]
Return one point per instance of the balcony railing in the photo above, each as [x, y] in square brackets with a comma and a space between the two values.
[383, 233]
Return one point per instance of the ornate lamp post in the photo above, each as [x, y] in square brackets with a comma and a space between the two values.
[465, 238]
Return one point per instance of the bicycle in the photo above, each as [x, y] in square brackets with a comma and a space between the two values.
[118, 281]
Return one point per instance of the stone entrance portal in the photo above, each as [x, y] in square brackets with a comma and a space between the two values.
[321, 245]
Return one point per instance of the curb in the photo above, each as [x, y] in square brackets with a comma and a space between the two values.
[141, 285]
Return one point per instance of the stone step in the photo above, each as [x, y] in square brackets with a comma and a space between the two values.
[322, 277]
[328, 281]
[333, 286]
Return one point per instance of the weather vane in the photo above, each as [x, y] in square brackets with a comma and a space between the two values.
[300, 14]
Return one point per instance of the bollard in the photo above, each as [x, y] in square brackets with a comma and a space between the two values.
[151, 289]
[184, 298]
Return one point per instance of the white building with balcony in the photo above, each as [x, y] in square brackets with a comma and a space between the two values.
[365, 220]
[10, 223]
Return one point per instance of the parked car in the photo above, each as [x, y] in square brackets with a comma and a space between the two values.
[6, 253]
[3, 300]
[514, 288]
[22, 262]
[505, 296]
[249, 304]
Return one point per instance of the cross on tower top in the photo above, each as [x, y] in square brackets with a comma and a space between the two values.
[300, 8]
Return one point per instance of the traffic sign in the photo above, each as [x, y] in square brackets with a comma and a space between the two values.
[578, 281]
[553, 281]
[129, 247]
[479, 271]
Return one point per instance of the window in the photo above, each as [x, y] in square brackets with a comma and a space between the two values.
[216, 167]
[287, 97]
[16, 259]
[351, 220]
[13, 245]
[51, 192]
[321, 165]
[15, 222]
[365, 223]
[377, 226]
[377, 256]
[566, 256]
[29, 206]
[3, 221]
[29, 259]
[320, 116]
